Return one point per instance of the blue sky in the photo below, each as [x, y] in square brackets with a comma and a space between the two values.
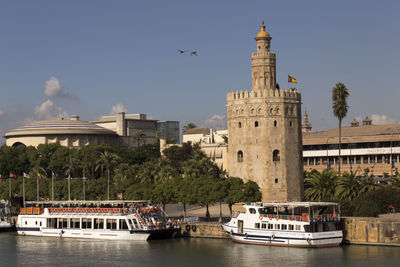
[86, 57]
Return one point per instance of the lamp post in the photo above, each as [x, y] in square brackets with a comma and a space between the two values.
[328, 165]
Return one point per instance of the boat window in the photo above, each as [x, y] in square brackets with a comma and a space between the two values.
[308, 228]
[111, 224]
[26, 222]
[298, 227]
[52, 222]
[277, 226]
[86, 223]
[40, 223]
[284, 227]
[264, 225]
[134, 222]
[35, 222]
[74, 223]
[252, 211]
[291, 227]
[257, 225]
[270, 226]
[64, 223]
[98, 223]
[123, 224]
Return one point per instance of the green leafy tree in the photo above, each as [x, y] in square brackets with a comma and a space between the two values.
[108, 160]
[340, 107]
[139, 137]
[348, 186]
[189, 126]
[320, 186]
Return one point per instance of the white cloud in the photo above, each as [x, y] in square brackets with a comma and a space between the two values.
[1, 113]
[55, 89]
[118, 108]
[216, 122]
[47, 111]
[381, 119]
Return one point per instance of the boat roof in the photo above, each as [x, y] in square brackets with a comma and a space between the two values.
[87, 202]
[293, 204]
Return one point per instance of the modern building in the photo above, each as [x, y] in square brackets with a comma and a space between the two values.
[119, 129]
[169, 130]
[372, 148]
[70, 133]
[264, 128]
[127, 126]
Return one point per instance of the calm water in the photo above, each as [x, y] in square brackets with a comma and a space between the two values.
[22, 250]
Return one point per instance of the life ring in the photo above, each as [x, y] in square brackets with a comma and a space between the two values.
[273, 236]
[297, 218]
[270, 217]
[188, 227]
[308, 240]
[291, 218]
[261, 217]
[194, 228]
[277, 217]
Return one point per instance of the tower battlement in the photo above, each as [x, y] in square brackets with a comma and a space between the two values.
[292, 94]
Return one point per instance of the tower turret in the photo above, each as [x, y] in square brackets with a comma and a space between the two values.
[263, 63]
[306, 125]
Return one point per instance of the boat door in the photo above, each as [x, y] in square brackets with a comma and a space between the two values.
[240, 226]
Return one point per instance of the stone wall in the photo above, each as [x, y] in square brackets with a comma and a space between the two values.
[384, 230]
[203, 229]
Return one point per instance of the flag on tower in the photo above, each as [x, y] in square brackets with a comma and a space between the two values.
[26, 175]
[12, 175]
[292, 79]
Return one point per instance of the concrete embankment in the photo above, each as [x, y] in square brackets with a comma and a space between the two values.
[383, 230]
[203, 229]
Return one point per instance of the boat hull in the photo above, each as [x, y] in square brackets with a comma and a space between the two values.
[134, 235]
[286, 239]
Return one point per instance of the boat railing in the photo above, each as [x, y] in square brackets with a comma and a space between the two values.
[86, 210]
[31, 210]
[304, 217]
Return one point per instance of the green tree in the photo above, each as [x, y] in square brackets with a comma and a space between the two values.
[140, 137]
[108, 160]
[340, 107]
[348, 186]
[189, 126]
[320, 186]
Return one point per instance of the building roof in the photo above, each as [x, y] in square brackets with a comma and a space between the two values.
[197, 131]
[60, 126]
[355, 131]
[263, 32]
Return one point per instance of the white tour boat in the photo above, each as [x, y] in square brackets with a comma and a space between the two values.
[86, 222]
[298, 224]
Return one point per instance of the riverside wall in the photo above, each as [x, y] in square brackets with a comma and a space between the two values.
[383, 230]
[203, 229]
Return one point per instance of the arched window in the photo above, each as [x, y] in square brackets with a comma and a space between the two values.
[242, 112]
[259, 111]
[252, 111]
[275, 123]
[256, 124]
[291, 123]
[240, 156]
[276, 156]
[240, 124]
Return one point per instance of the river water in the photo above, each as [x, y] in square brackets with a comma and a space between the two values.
[37, 251]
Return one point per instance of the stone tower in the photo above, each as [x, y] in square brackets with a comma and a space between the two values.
[264, 129]
[306, 126]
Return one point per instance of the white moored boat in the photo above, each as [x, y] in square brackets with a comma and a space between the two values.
[299, 224]
[85, 222]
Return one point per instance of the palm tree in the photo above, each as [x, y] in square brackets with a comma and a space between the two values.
[349, 186]
[108, 160]
[340, 107]
[70, 168]
[321, 186]
[139, 137]
[189, 126]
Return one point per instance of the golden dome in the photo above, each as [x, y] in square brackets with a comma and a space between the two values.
[262, 32]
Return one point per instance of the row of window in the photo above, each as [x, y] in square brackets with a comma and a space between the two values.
[278, 226]
[346, 145]
[88, 223]
[275, 156]
[367, 159]
[256, 124]
[272, 111]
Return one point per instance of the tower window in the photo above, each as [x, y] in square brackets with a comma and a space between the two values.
[240, 156]
[291, 123]
[242, 112]
[256, 124]
[275, 155]
[252, 111]
[259, 111]
[275, 123]
[240, 124]
[276, 180]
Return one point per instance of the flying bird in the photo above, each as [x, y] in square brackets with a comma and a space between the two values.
[181, 51]
[194, 53]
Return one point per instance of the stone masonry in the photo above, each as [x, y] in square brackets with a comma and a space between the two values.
[264, 129]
